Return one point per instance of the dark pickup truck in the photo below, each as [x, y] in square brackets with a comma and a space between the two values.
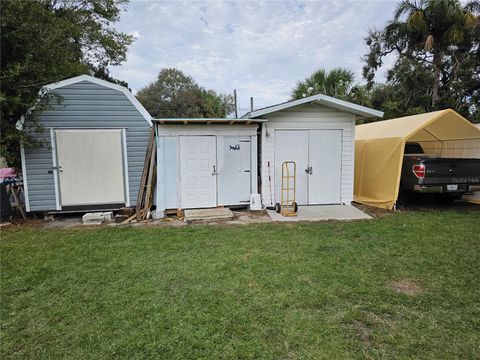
[448, 178]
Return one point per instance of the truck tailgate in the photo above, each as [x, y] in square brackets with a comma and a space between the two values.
[452, 170]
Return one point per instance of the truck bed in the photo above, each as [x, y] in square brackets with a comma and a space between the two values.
[447, 170]
[440, 175]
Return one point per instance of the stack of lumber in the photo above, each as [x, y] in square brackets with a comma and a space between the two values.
[125, 215]
[147, 183]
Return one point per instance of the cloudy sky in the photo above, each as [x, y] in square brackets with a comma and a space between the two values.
[259, 48]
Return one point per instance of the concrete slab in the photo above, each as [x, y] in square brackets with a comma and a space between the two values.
[208, 214]
[321, 213]
[97, 218]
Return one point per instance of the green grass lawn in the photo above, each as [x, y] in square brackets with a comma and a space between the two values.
[268, 291]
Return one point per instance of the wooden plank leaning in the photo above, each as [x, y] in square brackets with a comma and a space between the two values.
[146, 177]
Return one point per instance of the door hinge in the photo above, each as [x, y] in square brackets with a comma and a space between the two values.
[58, 168]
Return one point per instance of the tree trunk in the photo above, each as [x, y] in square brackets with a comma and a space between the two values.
[437, 63]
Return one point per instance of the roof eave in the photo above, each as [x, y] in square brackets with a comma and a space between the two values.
[360, 111]
[208, 121]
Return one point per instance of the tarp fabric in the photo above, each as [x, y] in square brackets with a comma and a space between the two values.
[379, 149]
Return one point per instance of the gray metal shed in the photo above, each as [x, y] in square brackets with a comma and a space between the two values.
[95, 142]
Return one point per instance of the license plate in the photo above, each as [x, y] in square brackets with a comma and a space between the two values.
[452, 187]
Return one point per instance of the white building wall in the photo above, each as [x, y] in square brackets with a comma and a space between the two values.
[307, 117]
[168, 155]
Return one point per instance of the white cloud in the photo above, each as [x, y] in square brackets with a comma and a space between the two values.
[259, 48]
[136, 34]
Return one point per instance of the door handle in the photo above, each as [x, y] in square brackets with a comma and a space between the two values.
[58, 168]
[309, 170]
[214, 170]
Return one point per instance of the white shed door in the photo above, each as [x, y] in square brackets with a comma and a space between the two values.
[325, 158]
[198, 180]
[91, 170]
[233, 170]
[292, 145]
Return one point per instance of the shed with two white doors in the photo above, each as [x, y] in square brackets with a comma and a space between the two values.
[205, 163]
[318, 134]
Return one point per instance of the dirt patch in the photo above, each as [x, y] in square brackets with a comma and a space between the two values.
[247, 256]
[304, 279]
[407, 287]
[424, 202]
[74, 221]
[172, 221]
[373, 211]
[64, 223]
[250, 214]
[363, 331]
[367, 323]
[23, 224]
[244, 217]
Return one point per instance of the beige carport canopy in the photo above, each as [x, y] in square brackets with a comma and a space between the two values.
[379, 149]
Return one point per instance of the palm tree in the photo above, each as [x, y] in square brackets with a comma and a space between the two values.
[433, 26]
[337, 82]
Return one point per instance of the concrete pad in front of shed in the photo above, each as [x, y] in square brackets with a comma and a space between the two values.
[208, 214]
[321, 213]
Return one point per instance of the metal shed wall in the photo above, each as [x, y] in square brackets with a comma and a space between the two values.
[84, 105]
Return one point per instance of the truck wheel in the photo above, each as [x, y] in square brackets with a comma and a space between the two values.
[278, 208]
[446, 199]
[295, 207]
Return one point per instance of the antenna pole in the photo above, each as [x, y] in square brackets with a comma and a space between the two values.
[235, 102]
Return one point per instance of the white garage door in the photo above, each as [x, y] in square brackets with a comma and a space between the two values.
[198, 180]
[317, 154]
[91, 167]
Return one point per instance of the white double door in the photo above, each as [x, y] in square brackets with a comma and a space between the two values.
[318, 156]
[214, 171]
